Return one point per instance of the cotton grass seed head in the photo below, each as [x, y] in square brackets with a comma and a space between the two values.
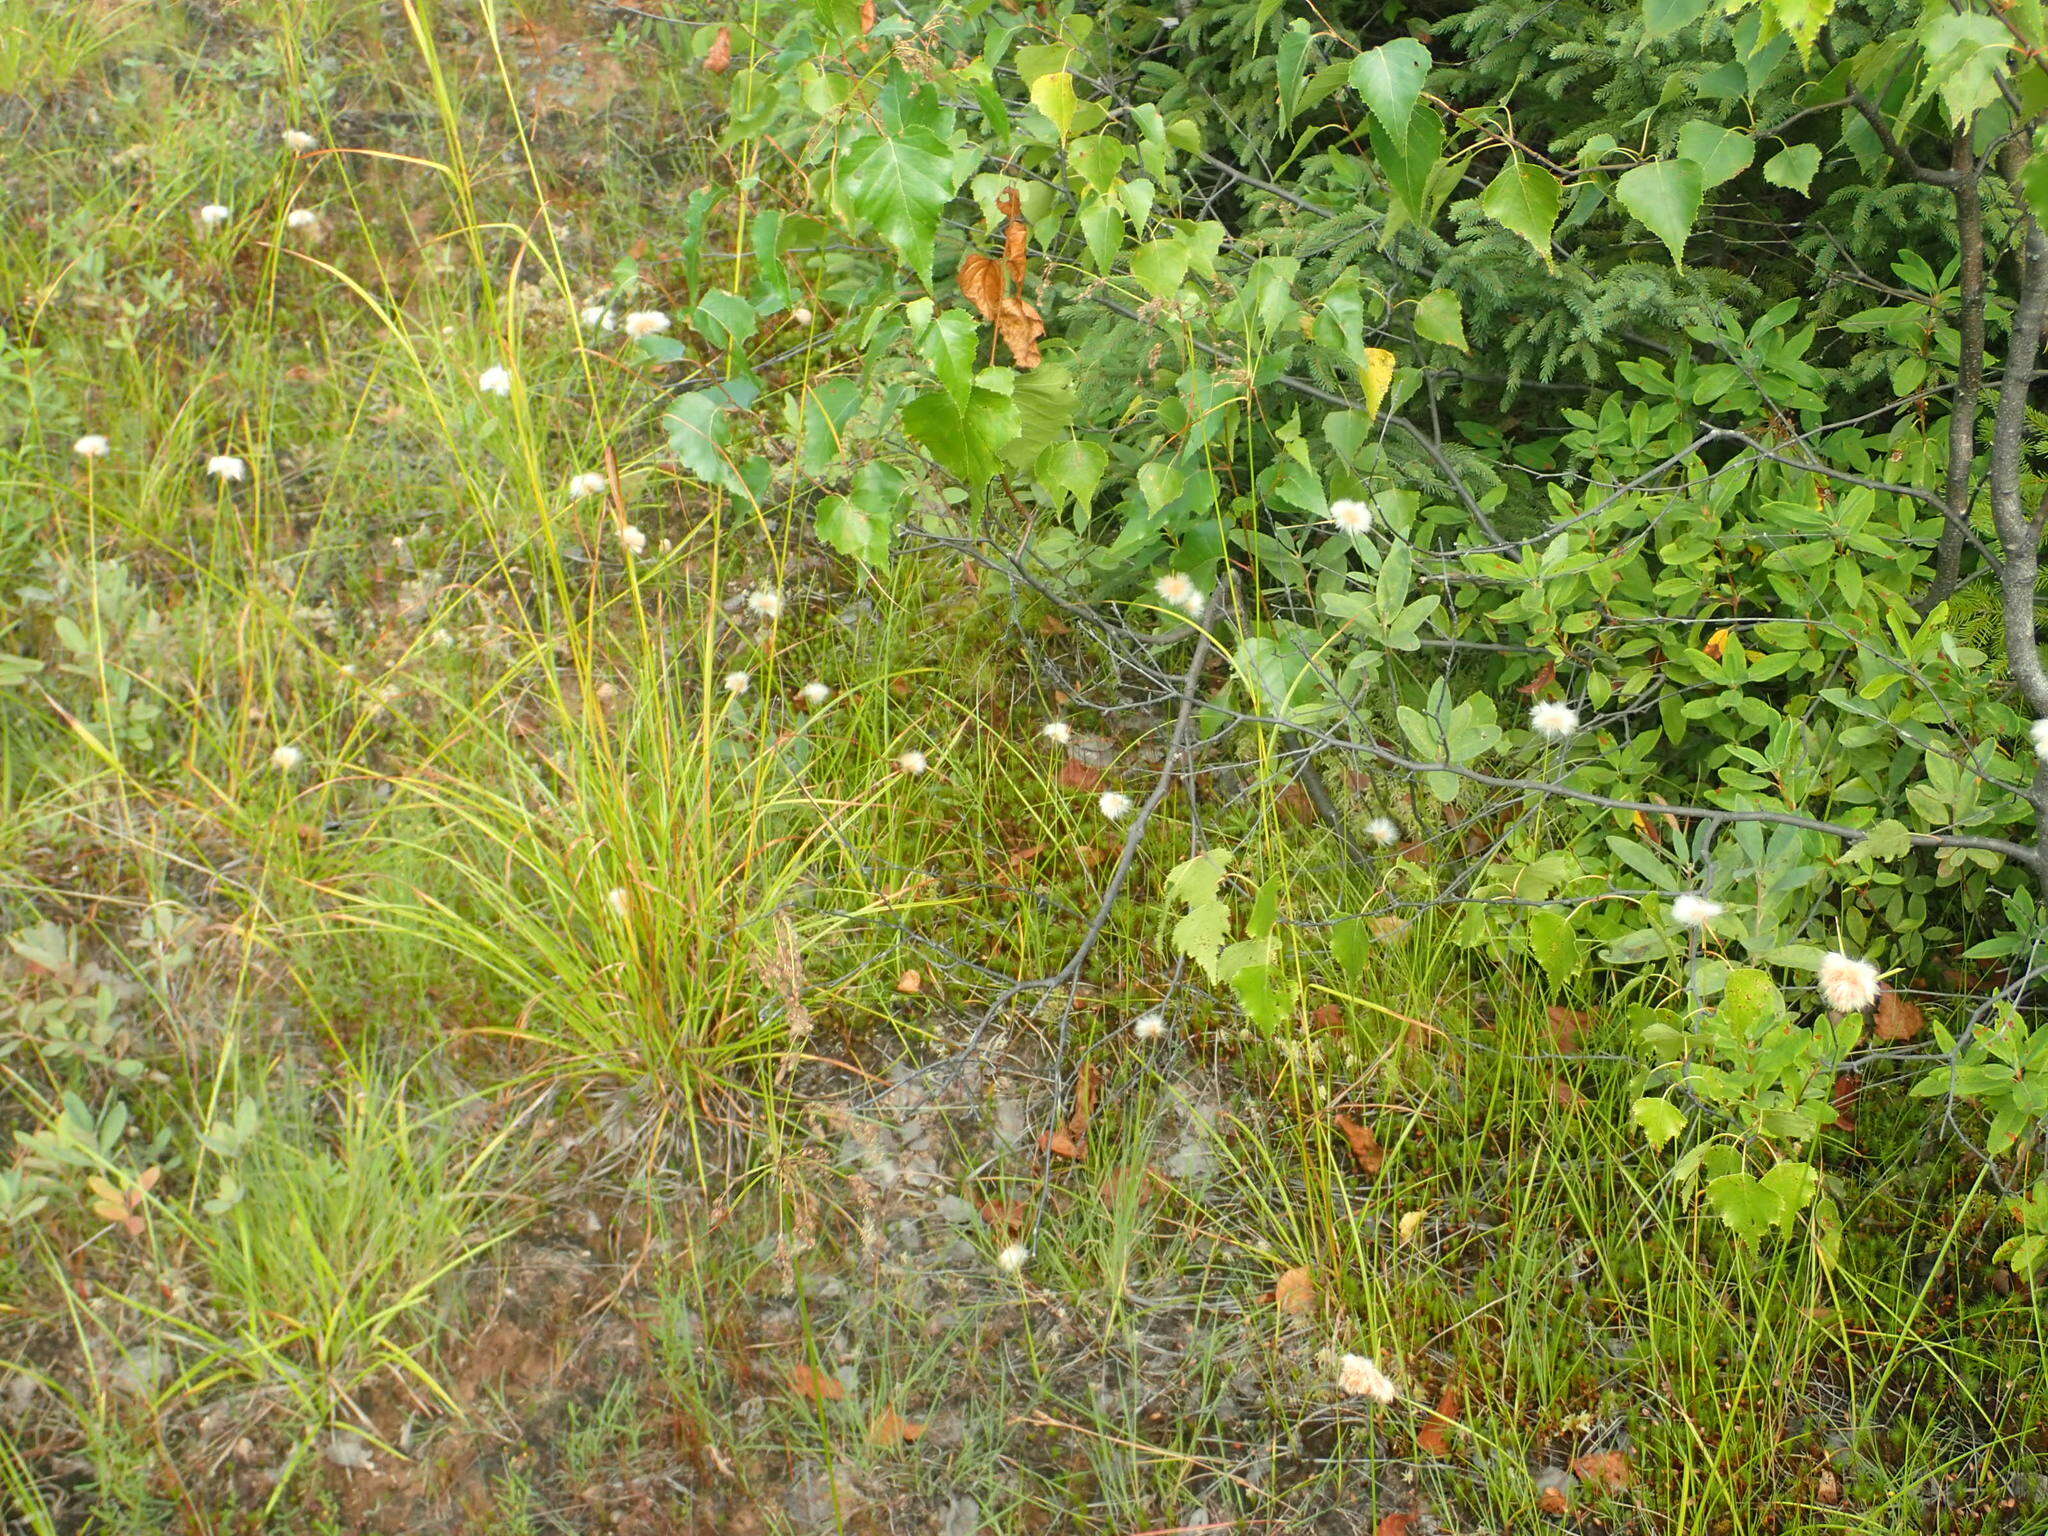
[225, 466]
[495, 380]
[213, 215]
[913, 763]
[1114, 805]
[300, 142]
[633, 540]
[301, 218]
[1013, 1259]
[285, 758]
[737, 683]
[1553, 720]
[2039, 734]
[646, 322]
[589, 483]
[617, 899]
[1177, 589]
[1847, 986]
[597, 318]
[800, 315]
[1149, 1025]
[1381, 830]
[1352, 517]
[1360, 1376]
[1693, 911]
[1058, 732]
[814, 695]
[765, 603]
[93, 446]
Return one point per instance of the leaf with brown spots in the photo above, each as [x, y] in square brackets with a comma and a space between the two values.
[1896, 1018]
[1294, 1293]
[889, 1429]
[1432, 1440]
[1020, 325]
[719, 59]
[981, 282]
[816, 1385]
[1365, 1147]
[1602, 1471]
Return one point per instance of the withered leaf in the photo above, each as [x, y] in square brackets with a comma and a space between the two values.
[889, 1429]
[981, 282]
[1020, 325]
[1059, 1143]
[1602, 1471]
[1294, 1293]
[910, 981]
[719, 59]
[1898, 1019]
[1565, 1024]
[1365, 1147]
[1084, 1100]
[1005, 1216]
[1432, 1438]
[1075, 774]
[1400, 1523]
[1016, 235]
[816, 1385]
[867, 17]
[1844, 1099]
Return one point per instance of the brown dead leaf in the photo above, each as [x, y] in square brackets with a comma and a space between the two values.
[719, 59]
[1567, 1095]
[1540, 681]
[1059, 1143]
[1020, 325]
[1084, 1100]
[1328, 1016]
[1602, 1471]
[1075, 774]
[1649, 830]
[867, 17]
[1294, 1293]
[816, 1385]
[1432, 1438]
[1896, 1018]
[1004, 1216]
[1554, 1501]
[1016, 235]
[1365, 1147]
[889, 1429]
[911, 982]
[1828, 1487]
[981, 283]
[1565, 1024]
[1847, 1085]
[1400, 1523]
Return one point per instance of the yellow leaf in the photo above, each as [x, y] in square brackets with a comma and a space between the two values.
[1054, 96]
[1377, 375]
[1410, 1224]
[1717, 643]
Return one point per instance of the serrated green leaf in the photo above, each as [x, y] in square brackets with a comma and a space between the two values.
[1665, 198]
[1524, 199]
[1390, 78]
[1659, 1120]
[1793, 167]
[1722, 154]
[1440, 317]
[899, 187]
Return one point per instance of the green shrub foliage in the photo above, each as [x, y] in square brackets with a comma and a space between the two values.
[1657, 374]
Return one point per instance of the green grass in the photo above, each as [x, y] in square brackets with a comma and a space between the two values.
[527, 1163]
